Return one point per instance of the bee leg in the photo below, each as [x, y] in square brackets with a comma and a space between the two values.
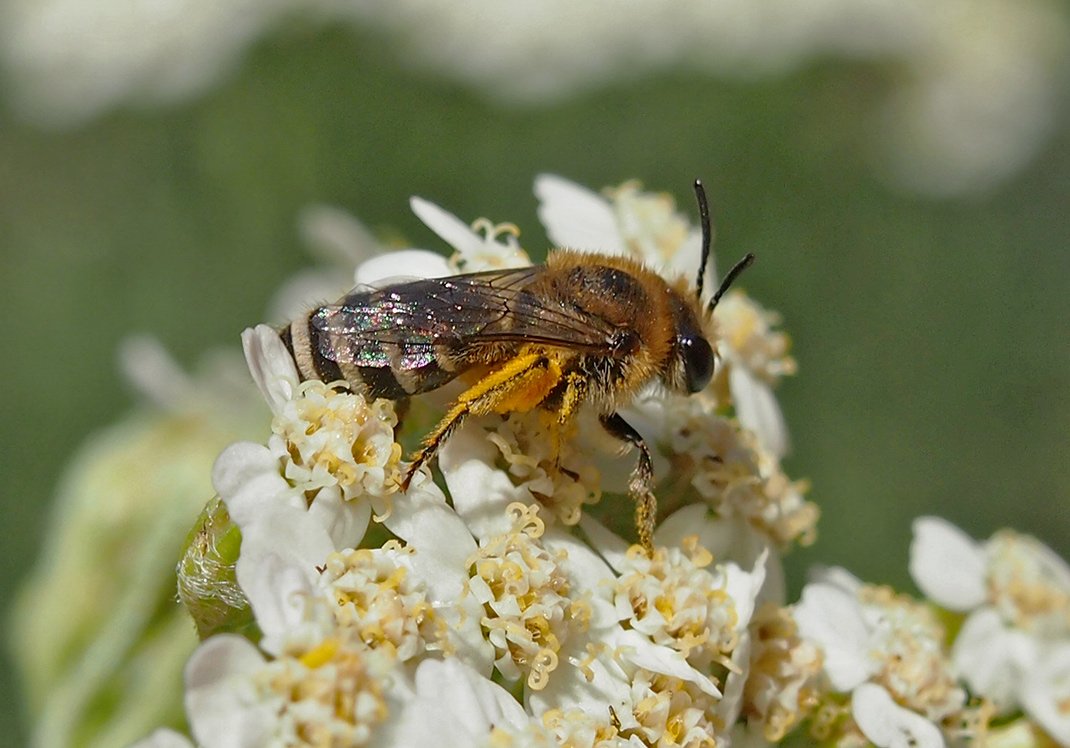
[520, 385]
[571, 398]
[434, 440]
[640, 486]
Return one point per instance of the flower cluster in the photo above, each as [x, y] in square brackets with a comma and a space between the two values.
[504, 607]
[985, 659]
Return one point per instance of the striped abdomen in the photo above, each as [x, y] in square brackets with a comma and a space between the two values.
[378, 368]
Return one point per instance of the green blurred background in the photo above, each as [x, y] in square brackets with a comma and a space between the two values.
[931, 333]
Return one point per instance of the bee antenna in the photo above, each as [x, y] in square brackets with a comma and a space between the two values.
[738, 268]
[707, 234]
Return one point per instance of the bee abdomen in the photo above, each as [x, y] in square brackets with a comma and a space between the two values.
[304, 343]
[320, 355]
[300, 341]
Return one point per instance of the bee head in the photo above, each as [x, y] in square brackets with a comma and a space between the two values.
[691, 366]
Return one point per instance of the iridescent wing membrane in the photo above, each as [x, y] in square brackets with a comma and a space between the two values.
[403, 325]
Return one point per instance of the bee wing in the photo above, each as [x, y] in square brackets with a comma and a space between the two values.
[402, 324]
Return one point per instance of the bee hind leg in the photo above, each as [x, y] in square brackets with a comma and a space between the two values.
[641, 483]
[520, 385]
[434, 440]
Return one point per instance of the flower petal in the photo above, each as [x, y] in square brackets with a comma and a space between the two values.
[442, 547]
[889, 725]
[641, 652]
[835, 576]
[758, 410]
[731, 704]
[744, 587]
[424, 521]
[221, 705]
[586, 570]
[449, 227]
[577, 218]
[993, 658]
[154, 373]
[596, 686]
[277, 567]
[271, 365]
[683, 263]
[307, 289]
[1046, 693]
[831, 618]
[345, 521]
[480, 491]
[401, 264]
[947, 564]
[246, 475]
[607, 544]
[454, 706]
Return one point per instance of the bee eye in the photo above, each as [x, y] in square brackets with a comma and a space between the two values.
[698, 361]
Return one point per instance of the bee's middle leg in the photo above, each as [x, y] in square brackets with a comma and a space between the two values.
[641, 484]
[562, 404]
[519, 385]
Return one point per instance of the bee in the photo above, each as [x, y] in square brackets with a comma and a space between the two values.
[582, 329]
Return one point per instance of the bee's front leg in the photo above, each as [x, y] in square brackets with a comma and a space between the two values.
[641, 484]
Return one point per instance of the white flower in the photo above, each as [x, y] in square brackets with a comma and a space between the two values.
[404, 263]
[483, 246]
[683, 619]
[335, 624]
[311, 692]
[1016, 592]
[442, 548]
[331, 439]
[530, 607]
[975, 100]
[379, 598]
[978, 97]
[731, 539]
[271, 365]
[888, 646]
[563, 479]
[730, 470]
[993, 659]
